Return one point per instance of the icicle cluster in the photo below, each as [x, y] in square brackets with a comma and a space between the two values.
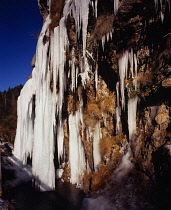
[161, 3]
[40, 107]
[109, 35]
[127, 70]
[41, 103]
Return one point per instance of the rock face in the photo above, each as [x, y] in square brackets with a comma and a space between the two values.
[99, 92]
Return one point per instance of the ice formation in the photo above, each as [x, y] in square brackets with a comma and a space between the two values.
[41, 104]
[159, 5]
[40, 107]
[116, 6]
[132, 110]
[24, 147]
[127, 74]
[161, 2]
[76, 153]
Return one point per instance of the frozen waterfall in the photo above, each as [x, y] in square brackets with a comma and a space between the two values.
[41, 105]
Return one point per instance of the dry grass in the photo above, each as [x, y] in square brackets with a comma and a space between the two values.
[66, 174]
[106, 145]
[92, 114]
[107, 104]
[110, 144]
[99, 178]
[109, 147]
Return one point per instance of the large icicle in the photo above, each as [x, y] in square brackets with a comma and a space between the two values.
[128, 59]
[132, 110]
[76, 151]
[41, 142]
[97, 135]
[127, 71]
[43, 150]
[25, 124]
[116, 6]
[123, 69]
[118, 111]
[80, 11]
[161, 2]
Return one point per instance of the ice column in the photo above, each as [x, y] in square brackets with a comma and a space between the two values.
[43, 150]
[41, 101]
[123, 69]
[116, 6]
[118, 110]
[132, 110]
[25, 125]
[97, 135]
[76, 150]
[128, 77]
[36, 138]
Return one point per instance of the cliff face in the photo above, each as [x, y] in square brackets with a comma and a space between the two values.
[98, 105]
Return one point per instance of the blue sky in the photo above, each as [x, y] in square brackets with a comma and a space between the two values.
[20, 24]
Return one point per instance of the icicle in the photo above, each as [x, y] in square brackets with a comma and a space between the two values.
[84, 14]
[162, 2]
[96, 77]
[23, 146]
[156, 4]
[73, 73]
[97, 135]
[130, 58]
[96, 2]
[76, 151]
[162, 16]
[135, 71]
[116, 6]
[44, 121]
[94, 6]
[49, 4]
[132, 109]
[111, 34]
[103, 42]
[123, 68]
[49, 82]
[43, 150]
[80, 11]
[118, 110]
[85, 75]
[107, 36]
[60, 142]
[127, 58]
